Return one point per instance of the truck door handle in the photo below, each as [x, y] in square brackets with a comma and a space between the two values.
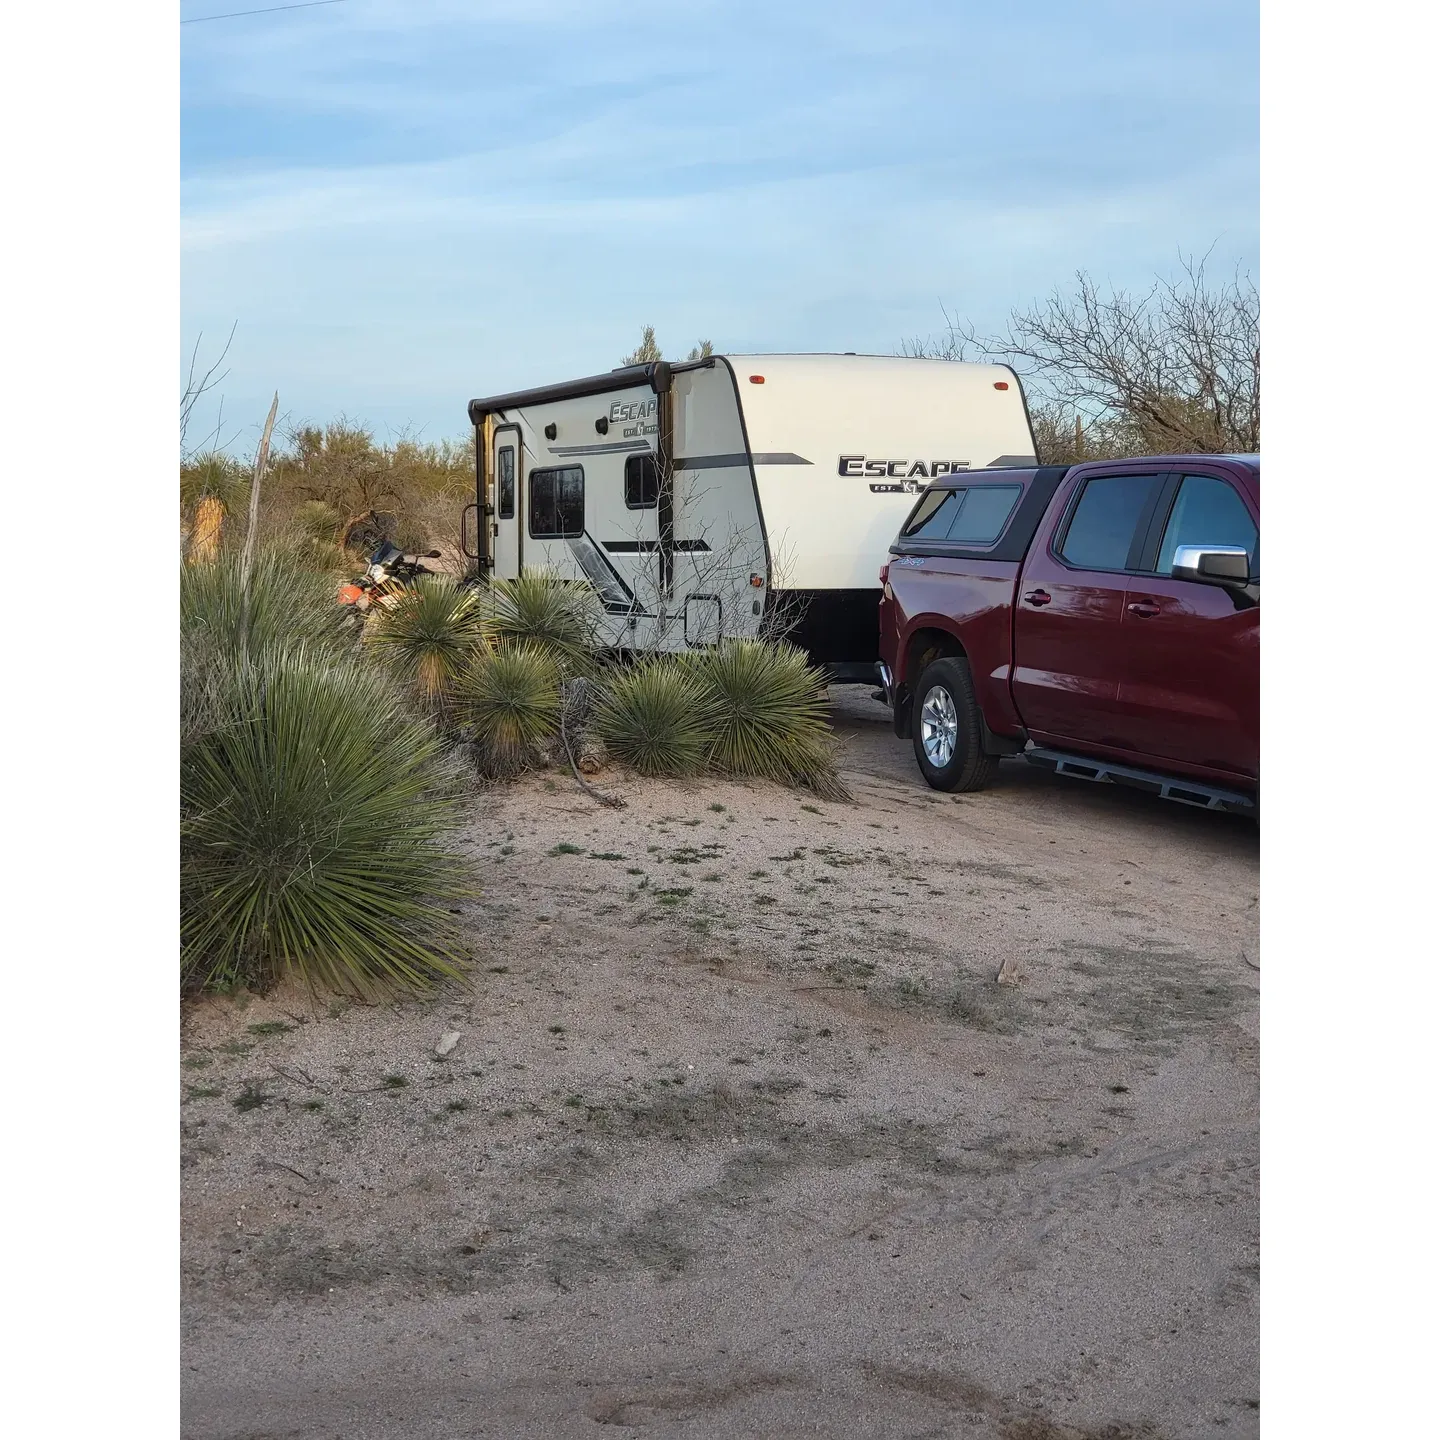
[1037, 597]
[1143, 608]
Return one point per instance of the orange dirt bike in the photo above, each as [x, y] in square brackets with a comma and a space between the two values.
[388, 575]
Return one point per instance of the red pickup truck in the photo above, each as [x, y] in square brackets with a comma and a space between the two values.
[1102, 619]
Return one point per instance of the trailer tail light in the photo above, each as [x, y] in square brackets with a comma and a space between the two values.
[758, 581]
[757, 379]
[884, 572]
[1002, 384]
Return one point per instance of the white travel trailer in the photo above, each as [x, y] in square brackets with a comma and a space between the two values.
[710, 498]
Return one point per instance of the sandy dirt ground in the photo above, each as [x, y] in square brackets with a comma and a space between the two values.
[742, 1137]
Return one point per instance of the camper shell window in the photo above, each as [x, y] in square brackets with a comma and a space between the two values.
[642, 482]
[557, 503]
[972, 515]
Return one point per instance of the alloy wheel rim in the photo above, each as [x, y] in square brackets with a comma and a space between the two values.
[939, 727]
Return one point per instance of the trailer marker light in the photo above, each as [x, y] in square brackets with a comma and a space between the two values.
[1002, 384]
[757, 379]
[757, 581]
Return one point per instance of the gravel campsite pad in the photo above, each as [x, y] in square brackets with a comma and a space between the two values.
[740, 1135]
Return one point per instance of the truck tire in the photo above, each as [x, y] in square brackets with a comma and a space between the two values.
[946, 729]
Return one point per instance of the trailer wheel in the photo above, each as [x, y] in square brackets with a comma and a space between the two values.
[946, 729]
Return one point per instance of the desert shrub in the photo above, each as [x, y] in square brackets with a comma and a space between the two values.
[288, 601]
[214, 476]
[507, 701]
[557, 615]
[765, 714]
[652, 716]
[429, 635]
[313, 807]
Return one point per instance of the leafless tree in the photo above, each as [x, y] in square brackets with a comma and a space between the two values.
[199, 383]
[1175, 368]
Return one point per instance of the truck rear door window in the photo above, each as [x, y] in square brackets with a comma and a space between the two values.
[1207, 511]
[1102, 527]
[557, 502]
[975, 515]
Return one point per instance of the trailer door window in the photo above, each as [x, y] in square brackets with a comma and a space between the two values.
[507, 482]
[557, 503]
[642, 482]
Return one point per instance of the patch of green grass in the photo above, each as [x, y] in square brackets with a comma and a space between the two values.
[209, 1092]
[757, 875]
[270, 1027]
[236, 1047]
[557, 1029]
[798, 854]
[765, 900]
[566, 848]
[313, 1105]
[499, 969]
[653, 849]
[909, 987]
[712, 877]
[574, 1101]
[633, 870]
[674, 895]
[457, 1107]
[249, 1099]
[195, 1062]
[813, 809]
[717, 807]
[606, 855]
[394, 1082]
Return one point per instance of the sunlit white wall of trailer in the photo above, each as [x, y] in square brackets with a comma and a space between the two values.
[832, 531]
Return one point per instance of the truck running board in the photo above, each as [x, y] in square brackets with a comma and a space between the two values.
[1106, 772]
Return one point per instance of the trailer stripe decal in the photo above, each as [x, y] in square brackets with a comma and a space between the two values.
[614, 447]
[648, 547]
[724, 462]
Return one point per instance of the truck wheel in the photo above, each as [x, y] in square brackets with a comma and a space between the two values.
[946, 729]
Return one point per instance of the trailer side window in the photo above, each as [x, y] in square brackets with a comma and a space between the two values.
[507, 482]
[642, 482]
[557, 503]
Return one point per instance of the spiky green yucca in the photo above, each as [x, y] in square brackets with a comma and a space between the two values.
[560, 615]
[653, 717]
[214, 476]
[312, 831]
[508, 699]
[766, 713]
[288, 601]
[429, 635]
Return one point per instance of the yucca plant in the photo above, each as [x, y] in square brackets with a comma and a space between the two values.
[653, 717]
[288, 601]
[213, 487]
[766, 714]
[312, 825]
[429, 636]
[559, 615]
[507, 700]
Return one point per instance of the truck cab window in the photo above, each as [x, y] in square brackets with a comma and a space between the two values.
[557, 503]
[1102, 527]
[642, 482]
[507, 482]
[1207, 511]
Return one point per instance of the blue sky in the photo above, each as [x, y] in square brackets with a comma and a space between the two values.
[404, 203]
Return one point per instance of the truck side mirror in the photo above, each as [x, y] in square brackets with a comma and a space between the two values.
[1212, 564]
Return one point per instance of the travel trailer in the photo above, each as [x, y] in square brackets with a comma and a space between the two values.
[734, 495]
